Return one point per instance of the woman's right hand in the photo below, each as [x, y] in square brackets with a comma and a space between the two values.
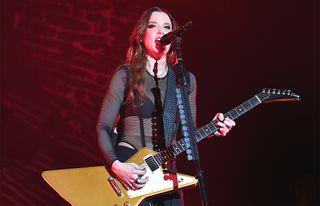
[130, 174]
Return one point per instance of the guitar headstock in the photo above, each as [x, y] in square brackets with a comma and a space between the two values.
[272, 95]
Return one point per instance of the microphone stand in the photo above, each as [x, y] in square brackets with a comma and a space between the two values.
[182, 83]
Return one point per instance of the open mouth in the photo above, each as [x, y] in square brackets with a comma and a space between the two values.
[157, 40]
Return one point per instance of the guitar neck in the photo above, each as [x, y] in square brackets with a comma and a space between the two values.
[203, 132]
[233, 114]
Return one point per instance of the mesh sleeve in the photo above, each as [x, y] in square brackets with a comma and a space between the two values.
[108, 114]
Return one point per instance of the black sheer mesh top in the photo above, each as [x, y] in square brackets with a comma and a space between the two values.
[130, 130]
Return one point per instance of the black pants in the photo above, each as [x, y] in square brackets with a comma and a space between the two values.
[171, 199]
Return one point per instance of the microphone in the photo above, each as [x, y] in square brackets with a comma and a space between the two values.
[172, 35]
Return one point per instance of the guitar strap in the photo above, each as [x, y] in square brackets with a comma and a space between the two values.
[170, 111]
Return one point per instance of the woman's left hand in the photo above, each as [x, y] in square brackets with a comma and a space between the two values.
[224, 125]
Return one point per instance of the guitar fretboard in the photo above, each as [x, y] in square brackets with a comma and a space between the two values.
[201, 133]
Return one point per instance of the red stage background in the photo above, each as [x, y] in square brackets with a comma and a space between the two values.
[57, 57]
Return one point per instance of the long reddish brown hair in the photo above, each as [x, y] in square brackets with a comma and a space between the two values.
[136, 56]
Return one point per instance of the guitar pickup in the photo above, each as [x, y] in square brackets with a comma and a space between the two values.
[115, 186]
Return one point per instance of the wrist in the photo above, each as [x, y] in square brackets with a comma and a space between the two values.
[115, 164]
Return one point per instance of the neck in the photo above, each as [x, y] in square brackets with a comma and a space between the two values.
[162, 66]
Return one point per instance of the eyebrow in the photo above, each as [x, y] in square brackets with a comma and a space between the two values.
[154, 22]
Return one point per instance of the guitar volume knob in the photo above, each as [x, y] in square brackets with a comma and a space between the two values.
[127, 204]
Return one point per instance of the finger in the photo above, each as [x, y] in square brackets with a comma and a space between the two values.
[228, 125]
[221, 125]
[135, 169]
[128, 185]
[216, 133]
[144, 180]
[141, 183]
[139, 172]
[229, 122]
[133, 186]
[140, 167]
[220, 117]
[143, 166]
[139, 186]
[134, 165]
[220, 133]
[134, 177]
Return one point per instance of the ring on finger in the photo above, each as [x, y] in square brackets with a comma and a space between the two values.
[138, 180]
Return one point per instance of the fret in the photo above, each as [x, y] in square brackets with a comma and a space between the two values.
[236, 110]
[250, 102]
[175, 149]
[206, 130]
[183, 145]
[196, 134]
[240, 110]
[156, 156]
[254, 101]
[202, 132]
[247, 105]
[212, 127]
[228, 115]
[179, 144]
[163, 156]
[170, 153]
[170, 150]
[158, 160]
[233, 114]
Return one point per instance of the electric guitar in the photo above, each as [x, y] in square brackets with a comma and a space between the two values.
[99, 186]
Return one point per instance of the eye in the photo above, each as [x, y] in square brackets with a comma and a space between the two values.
[151, 26]
[167, 27]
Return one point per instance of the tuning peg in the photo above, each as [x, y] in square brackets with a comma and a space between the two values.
[268, 90]
[288, 92]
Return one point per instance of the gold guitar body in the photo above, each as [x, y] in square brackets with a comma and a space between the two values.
[97, 186]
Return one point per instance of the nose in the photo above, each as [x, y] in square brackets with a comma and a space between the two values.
[160, 30]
